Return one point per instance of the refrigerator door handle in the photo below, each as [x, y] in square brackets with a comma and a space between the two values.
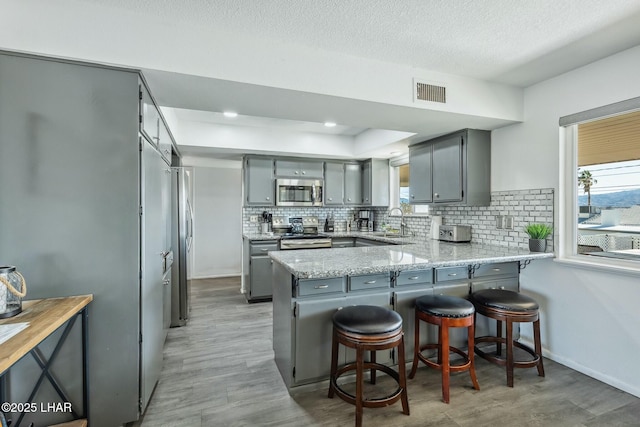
[190, 227]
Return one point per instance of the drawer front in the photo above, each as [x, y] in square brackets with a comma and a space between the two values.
[445, 274]
[414, 277]
[497, 269]
[308, 287]
[261, 248]
[369, 281]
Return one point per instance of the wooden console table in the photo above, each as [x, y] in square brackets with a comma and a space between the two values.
[45, 316]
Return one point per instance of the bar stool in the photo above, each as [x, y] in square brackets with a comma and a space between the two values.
[368, 328]
[445, 312]
[509, 306]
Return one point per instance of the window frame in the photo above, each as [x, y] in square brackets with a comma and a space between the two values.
[394, 186]
[568, 191]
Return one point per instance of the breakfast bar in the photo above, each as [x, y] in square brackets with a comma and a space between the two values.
[310, 285]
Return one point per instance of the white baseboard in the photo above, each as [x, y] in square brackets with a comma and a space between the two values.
[633, 389]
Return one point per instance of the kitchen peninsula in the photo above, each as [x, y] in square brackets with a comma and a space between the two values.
[310, 285]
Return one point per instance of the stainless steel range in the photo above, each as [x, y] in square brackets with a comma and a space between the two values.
[299, 233]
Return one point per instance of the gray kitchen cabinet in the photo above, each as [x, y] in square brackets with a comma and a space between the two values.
[257, 274]
[343, 242]
[409, 285]
[81, 160]
[334, 183]
[164, 141]
[299, 168]
[166, 301]
[352, 184]
[420, 188]
[150, 117]
[452, 169]
[258, 181]
[375, 182]
[313, 332]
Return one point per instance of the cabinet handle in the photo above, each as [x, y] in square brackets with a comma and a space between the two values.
[264, 249]
[296, 172]
[268, 198]
[370, 282]
[453, 274]
[304, 172]
[413, 196]
[502, 287]
[330, 198]
[414, 277]
[321, 287]
[166, 282]
[349, 199]
[436, 195]
[496, 269]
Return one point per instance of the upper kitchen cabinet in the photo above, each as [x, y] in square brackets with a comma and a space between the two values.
[452, 169]
[375, 182]
[299, 168]
[352, 184]
[258, 181]
[150, 116]
[164, 142]
[333, 183]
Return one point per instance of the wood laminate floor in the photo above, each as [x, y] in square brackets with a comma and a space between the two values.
[219, 371]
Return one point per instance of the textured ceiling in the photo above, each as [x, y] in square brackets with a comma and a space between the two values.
[485, 39]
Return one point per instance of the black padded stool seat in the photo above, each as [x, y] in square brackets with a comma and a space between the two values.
[503, 299]
[368, 328]
[367, 319]
[509, 307]
[446, 312]
[445, 306]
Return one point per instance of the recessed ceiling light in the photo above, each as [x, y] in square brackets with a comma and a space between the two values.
[330, 124]
[230, 114]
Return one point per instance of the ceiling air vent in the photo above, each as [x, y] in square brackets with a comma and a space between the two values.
[424, 91]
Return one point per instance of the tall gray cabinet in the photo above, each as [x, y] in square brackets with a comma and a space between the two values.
[83, 213]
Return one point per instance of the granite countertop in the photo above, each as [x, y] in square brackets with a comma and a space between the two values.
[335, 262]
[371, 235]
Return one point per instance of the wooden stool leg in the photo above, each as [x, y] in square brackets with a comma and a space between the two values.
[499, 335]
[359, 385]
[538, 346]
[402, 371]
[416, 346]
[470, 345]
[372, 358]
[443, 351]
[509, 339]
[334, 362]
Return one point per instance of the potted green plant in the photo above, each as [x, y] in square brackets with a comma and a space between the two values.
[538, 234]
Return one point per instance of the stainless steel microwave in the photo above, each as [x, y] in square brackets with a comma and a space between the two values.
[299, 192]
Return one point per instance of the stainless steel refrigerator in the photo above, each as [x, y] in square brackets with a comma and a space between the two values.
[181, 242]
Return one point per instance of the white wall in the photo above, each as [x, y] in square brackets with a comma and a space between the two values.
[217, 200]
[590, 318]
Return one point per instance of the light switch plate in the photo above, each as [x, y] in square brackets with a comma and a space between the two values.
[253, 218]
[508, 222]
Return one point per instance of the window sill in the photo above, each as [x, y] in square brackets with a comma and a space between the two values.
[607, 265]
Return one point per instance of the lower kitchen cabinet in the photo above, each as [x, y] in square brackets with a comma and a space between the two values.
[343, 242]
[404, 302]
[256, 269]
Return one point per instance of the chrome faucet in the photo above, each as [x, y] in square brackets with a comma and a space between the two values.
[402, 223]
